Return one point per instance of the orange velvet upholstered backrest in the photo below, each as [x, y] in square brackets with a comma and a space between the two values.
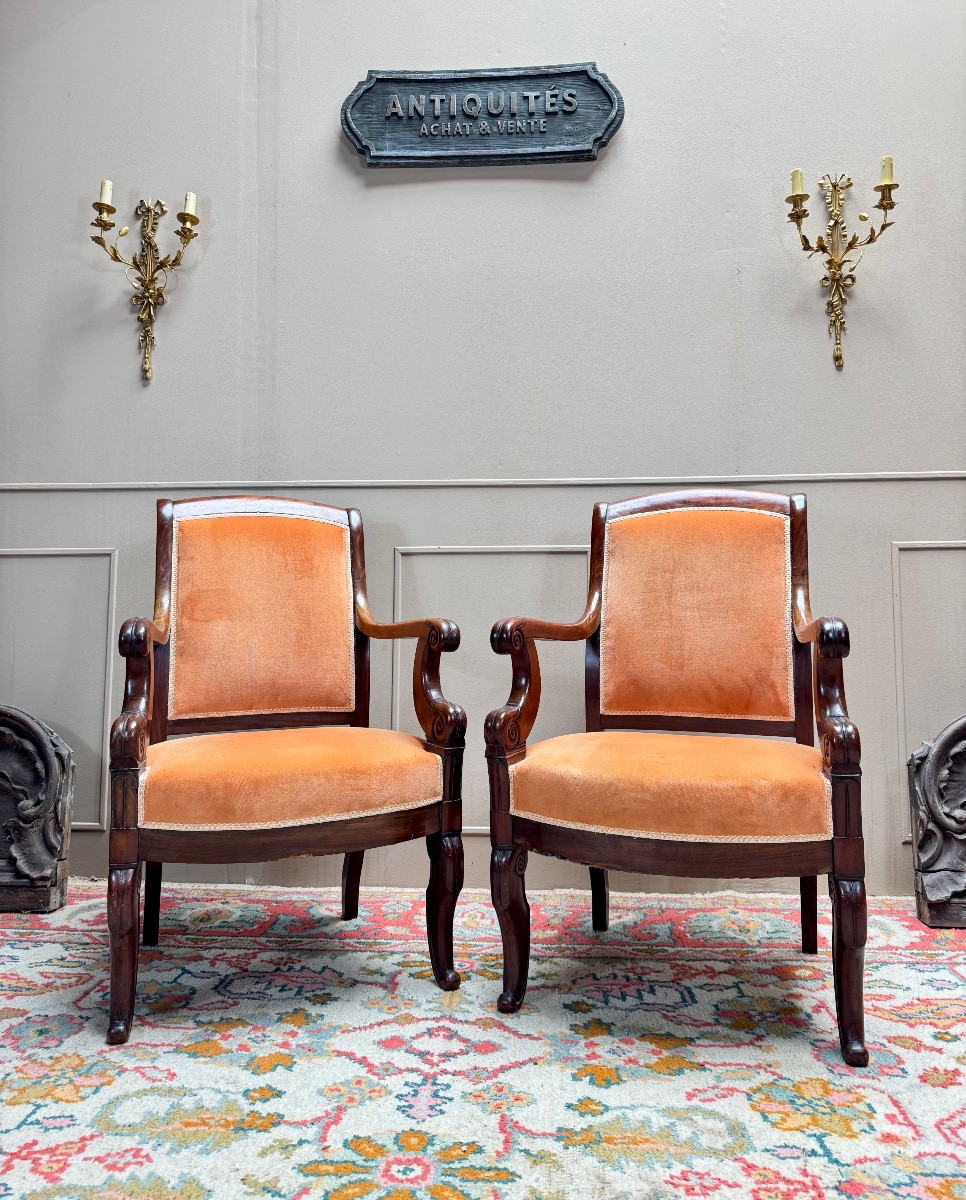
[696, 617]
[262, 613]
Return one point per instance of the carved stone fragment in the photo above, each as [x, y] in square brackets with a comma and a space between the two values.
[937, 793]
[36, 802]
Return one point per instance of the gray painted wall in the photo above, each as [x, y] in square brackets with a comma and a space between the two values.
[579, 332]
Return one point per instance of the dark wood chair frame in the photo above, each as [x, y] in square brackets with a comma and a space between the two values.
[144, 721]
[818, 689]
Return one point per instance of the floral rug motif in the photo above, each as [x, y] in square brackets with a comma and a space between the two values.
[280, 1052]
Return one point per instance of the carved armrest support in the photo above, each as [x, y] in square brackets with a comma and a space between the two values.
[442, 721]
[841, 747]
[507, 729]
[129, 733]
[129, 740]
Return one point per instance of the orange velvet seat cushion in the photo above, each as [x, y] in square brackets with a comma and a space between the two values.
[678, 787]
[278, 777]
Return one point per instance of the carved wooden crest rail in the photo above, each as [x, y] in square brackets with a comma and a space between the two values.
[482, 118]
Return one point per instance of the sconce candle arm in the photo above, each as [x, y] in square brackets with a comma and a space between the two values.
[874, 234]
[112, 250]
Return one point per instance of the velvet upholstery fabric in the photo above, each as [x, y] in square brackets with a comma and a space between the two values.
[261, 616]
[269, 778]
[680, 787]
[697, 614]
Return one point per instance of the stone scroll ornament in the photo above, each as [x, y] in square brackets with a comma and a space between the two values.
[937, 793]
[482, 118]
[36, 802]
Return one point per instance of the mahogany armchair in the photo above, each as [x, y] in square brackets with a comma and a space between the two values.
[260, 647]
[697, 623]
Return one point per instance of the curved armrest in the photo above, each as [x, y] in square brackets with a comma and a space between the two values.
[507, 729]
[129, 733]
[841, 748]
[443, 722]
[504, 631]
[446, 632]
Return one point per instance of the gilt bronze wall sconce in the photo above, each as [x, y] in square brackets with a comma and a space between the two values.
[146, 270]
[837, 247]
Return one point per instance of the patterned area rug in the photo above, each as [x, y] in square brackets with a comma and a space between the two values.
[689, 1052]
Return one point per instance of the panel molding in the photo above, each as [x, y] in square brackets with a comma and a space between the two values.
[401, 552]
[902, 732]
[110, 553]
[495, 482]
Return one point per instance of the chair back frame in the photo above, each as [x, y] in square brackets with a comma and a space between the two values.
[802, 728]
[213, 506]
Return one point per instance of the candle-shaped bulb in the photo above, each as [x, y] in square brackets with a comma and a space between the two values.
[107, 190]
[885, 179]
[798, 182]
[190, 203]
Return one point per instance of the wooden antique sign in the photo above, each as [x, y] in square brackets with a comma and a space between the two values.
[470, 118]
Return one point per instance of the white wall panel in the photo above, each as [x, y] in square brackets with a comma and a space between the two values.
[57, 651]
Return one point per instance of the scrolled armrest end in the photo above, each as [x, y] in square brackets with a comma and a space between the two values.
[448, 727]
[840, 742]
[833, 638]
[138, 637]
[129, 740]
[503, 732]
[133, 640]
[443, 635]
[507, 635]
[830, 635]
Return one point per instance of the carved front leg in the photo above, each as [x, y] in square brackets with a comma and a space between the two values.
[508, 868]
[123, 903]
[445, 885]
[848, 959]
